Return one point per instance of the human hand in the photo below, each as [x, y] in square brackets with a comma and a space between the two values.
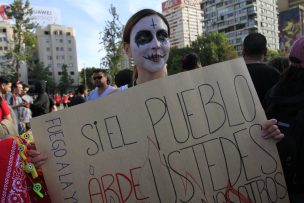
[271, 131]
[35, 156]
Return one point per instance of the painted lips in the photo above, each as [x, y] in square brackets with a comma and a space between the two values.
[154, 57]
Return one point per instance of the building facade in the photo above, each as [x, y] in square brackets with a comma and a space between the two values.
[238, 18]
[6, 43]
[56, 47]
[185, 20]
[287, 4]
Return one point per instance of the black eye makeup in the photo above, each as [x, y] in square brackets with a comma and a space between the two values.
[143, 37]
[162, 35]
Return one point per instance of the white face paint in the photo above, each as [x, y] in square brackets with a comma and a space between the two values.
[149, 43]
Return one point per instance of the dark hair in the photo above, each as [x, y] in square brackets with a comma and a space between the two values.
[25, 86]
[123, 77]
[3, 81]
[137, 17]
[280, 63]
[191, 61]
[254, 44]
[81, 89]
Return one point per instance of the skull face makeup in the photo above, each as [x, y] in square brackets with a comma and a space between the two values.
[149, 43]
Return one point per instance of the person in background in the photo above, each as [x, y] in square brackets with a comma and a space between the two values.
[57, 98]
[18, 105]
[280, 63]
[102, 85]
[285, 101]
[80, 98]
[123, 77]
[191, 61]
[263, 76]
[27, 114]
[41, 104]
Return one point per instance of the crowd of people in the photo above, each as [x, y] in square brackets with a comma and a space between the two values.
[146, 41]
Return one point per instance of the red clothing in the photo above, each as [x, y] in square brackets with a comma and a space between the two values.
[4, 110]
[15, 184]
[65, 99]
[57, 99]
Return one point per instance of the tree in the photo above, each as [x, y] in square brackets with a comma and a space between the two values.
[89, 73]
[66, 81]
[271, 54]
[39, 72]
[213, 48]
[24, 40]
[112, 43]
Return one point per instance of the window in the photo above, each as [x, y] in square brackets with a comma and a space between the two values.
[59, 73]
[57, 48]
[4, 30]
[72, 73]
[47, 40]
[49, 57]
[69, 41]
[70, 65]
[59, 65]
[60, 32]
[1, 48]
[70, 49]
[55, 33]
[5, 39]
[61, 40]
[70, 57]
[68, 34]
[46, 32]
[61, 49]
[5, 48]
[48, 49]
[62, 57]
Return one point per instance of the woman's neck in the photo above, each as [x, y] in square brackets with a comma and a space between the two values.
[145, 76]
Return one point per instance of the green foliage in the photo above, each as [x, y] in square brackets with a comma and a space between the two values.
[271, 54]
[211, 48]
[89, 73]
[66, 81]
[112, 43]
[24, 40]
[38, 72]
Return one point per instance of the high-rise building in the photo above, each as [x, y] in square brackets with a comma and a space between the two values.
[6, 40]
[56, 47]
[286, 4]
[238, 18]
[185, 20]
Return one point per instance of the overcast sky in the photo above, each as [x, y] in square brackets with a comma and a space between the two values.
[88, 18]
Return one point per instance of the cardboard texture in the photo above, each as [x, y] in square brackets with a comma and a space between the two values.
[190, 137]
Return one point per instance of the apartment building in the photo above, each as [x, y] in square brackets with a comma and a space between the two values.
[56, 47]
[185, 20]
[238, 18]
[6, 42]
[287, 4]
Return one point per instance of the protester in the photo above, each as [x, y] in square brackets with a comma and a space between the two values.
[285, 101]
[102, 85]
[280, 63]
[57, 98]
[7, 126]
[262, 75]
[123, 77]
[146, 40]
[41, 104]
[80, 98]
[26, 113]
[191, 61]
[18, 105]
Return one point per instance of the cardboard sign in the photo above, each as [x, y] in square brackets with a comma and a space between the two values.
[190, 137]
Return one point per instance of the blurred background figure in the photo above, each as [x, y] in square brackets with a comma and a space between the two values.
[80, 98]
[27, 114]
[191, 61]
[280, 63]
[41, 104]
[123, 77]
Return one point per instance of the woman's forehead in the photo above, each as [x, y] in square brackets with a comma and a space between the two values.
[153, 22]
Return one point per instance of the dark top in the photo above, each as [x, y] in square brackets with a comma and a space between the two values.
[77, 100]
[41, 104]
[263, 77]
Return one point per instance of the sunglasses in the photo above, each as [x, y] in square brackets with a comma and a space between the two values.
[97, 77]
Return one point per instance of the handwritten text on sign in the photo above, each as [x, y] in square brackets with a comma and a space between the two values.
[191, 137]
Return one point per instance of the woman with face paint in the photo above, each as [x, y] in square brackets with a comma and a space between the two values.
[146, 40]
